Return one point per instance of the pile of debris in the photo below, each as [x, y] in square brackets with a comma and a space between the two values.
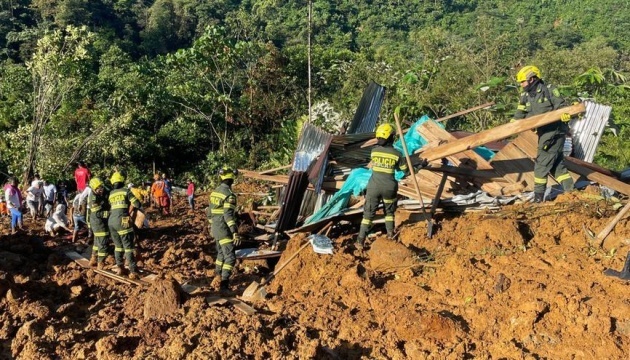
[460, 176]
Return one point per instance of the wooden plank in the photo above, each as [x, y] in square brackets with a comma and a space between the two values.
[594, 167]
[468, 158]
[604, 233]
[271, 171]
[464, 112]
[598, 177]
[498, 133]
[216, 300]
[85, 263]
[243, 307]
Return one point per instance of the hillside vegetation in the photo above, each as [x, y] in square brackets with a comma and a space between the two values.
[192, 84]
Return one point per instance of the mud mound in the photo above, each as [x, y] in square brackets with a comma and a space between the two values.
[389, 257]
[162, 299]
[522, 283]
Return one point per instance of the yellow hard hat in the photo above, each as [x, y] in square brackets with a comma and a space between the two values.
[117, 177]
[95, 183]
[384, 131]
[527, 72]
[227, 172]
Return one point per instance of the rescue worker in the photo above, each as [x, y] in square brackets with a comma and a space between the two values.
[538, 98]
[222, 218]
[382, 184]
[120, 225]
[99, 213]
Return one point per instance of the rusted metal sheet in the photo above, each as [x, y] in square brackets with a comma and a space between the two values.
[587, 131]
[366, 116]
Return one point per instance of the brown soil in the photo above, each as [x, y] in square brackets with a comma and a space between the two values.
[523, 283]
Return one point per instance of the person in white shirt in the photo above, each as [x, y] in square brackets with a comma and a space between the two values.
[78, 215]
[50, 193]
[57, 221]
[33, 194]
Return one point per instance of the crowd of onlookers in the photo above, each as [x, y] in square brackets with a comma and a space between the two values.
[48, 201]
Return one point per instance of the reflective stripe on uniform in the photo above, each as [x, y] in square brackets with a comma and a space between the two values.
[225, 241]
[218, 194]
[217, 262]
[94, 248]
[227, 205]
[540, 180]
[521, 107]
[227, 267]
[388, 201]
[102, 254]
[119, 249]
[561, 178]
[120, 206]
[217, 211]
[366, 222]
[101, 234]
[128, 250]
[389, 218]
[231, 223]
[124, 232]
[383, 170]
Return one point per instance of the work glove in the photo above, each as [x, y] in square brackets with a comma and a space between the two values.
[423, 163]
[566, 117]
[236, 239]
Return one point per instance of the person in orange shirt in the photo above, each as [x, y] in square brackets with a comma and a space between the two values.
[158, 193]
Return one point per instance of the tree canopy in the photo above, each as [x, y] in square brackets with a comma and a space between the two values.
[189, 85]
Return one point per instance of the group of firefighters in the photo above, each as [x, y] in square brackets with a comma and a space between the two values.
[110, 212]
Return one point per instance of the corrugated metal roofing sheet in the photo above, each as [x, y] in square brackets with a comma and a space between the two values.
[366, 116]
[587, 131]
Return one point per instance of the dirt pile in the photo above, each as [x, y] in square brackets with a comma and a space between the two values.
[524, 283]
[162, 299]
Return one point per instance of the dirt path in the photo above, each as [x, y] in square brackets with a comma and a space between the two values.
[522, 284]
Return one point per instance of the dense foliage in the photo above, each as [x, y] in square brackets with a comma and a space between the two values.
[188, 85]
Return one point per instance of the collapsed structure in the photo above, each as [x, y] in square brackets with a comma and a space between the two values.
[460, 172]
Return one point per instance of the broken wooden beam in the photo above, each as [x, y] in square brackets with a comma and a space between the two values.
[496, 133]
[597, 177]
[594, 167]
[604, 233]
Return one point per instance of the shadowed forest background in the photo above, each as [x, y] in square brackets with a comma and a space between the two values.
[194, 84]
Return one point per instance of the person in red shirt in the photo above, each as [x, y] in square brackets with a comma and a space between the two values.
[82, 175]
[190, 192]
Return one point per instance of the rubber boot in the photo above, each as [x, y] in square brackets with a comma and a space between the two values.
[93, 260]
[359, 244]
[539, 198]
[120, 270]
[624, 274]
[224, 287]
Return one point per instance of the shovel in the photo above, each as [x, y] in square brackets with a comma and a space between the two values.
[257, 291]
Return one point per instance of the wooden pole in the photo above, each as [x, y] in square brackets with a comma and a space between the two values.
[464, 112]
[604, 233]
[497, 133]
[411, 171]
